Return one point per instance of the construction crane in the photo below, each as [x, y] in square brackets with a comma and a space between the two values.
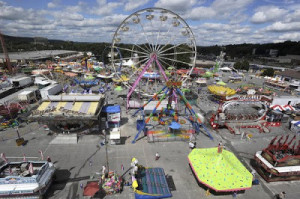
[7, 60]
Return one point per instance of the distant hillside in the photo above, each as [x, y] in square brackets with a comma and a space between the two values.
[246, 50]
[14, 44]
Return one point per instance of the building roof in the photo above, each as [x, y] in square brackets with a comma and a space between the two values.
[35, 55]
[64, 107]
[290, 73]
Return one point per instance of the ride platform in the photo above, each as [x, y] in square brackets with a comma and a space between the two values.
[152, 184]
[165, 135]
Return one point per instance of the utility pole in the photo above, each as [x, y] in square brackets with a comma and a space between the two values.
[7, 60]
[106, 143]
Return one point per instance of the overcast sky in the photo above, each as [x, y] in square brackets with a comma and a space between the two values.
[212, 21]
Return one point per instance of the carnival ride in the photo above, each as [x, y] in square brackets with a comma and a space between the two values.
[219, 170]
[87, 84]
[243, 111]
[160, 39]
[244, 89]
[172, 90]
[151, 184]
[26, 179]
[280, 161]
[10, 110]
[220, 92]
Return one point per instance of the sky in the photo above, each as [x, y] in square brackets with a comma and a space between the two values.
[213, 22]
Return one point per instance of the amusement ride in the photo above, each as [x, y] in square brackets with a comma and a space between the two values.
[153, 39]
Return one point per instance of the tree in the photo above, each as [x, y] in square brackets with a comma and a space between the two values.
[237, 65]
[268, 72]
[245, 65]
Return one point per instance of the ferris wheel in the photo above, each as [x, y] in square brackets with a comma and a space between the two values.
[153, 40]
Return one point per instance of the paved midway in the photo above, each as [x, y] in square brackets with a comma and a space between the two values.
[73, 168]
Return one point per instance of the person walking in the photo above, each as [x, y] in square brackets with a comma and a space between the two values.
[281, 195]
[157, 156]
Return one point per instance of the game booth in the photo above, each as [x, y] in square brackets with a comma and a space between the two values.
[113, 118]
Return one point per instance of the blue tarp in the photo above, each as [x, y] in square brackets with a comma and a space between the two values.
[175, 125]
[111, 109]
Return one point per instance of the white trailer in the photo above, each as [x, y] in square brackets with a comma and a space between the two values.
[286, 100]
[27, 96]
[50, 90]
[21, 82]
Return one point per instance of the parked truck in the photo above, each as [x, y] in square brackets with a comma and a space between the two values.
[29, 96]
[21, 82]
[50, 90]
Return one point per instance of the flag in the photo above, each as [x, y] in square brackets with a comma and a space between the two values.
[4, 157]
[42, 155]
[122, 167]
[30, 168]
[24, 158]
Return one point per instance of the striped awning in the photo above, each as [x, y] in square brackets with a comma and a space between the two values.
[88, 108]
[282, 108]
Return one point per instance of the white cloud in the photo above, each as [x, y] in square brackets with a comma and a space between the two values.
[294, 16]
[200, 13]
[67, 16]
[53, 4]
[133, 4]
[295, 36]
[283, 27]
[220, 9]
[228, 6]
[105, 8]
[180, 6]
[268, 13]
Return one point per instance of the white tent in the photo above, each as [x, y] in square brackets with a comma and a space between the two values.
[128, 63]
[226, 69]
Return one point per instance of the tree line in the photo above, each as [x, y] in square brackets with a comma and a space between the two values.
[245, 51]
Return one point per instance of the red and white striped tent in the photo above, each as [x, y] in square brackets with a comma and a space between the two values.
[282, 108]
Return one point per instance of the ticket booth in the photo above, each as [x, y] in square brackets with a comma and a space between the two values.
[113, 119]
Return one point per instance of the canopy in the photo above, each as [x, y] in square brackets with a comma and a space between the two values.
[219, 171]
[91, 189]
[296, 123]
[185, 90]
[118, 88]
[225, 68]
[111, 109]
[90, 77]
[221, 83]
[97, 68]
[128, 63]
[221, 90]
[174, 125]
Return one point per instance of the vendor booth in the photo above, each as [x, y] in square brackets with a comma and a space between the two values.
[113, 118]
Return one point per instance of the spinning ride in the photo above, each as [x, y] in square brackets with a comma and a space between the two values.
[172, 89]
[153, 39]
[280, 161]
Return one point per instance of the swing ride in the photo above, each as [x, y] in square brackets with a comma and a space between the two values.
[172, 91]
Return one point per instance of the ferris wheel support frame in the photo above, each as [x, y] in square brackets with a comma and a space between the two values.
[153, 57]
